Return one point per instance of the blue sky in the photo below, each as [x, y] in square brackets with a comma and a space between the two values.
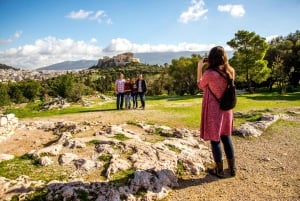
[36, 33]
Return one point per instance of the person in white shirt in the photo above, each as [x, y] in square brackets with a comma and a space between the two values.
[119, 89]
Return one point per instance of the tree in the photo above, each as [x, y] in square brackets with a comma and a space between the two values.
[248, 59]
[15, 93]
[184, 76]
[4, 97]
[30, 89]
[279, 75]
[286, 49]
[292, 61]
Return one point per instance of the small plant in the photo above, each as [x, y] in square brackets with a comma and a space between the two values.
[173, 148]
[82, 195]
[93, 142]
[254, 117]
[130, 122]
[142, 191]
[105, 157]
[38, 195]
[180, 168]
[121, 178]
[158, 131]
[120, 136]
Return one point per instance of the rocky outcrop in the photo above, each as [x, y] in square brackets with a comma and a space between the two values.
[8, 125]
[151, 166]
[256, 129]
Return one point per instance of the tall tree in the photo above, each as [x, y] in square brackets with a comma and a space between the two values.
[183, 74]
[288, 50]
[248, 58]
[293, 59]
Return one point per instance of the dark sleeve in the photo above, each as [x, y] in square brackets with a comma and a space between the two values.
[145, 85]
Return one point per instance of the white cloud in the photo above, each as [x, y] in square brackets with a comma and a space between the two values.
[234, 10]
[48, 51]
[93, 40]
[123, 45]
[269, 38]
[51, 50]
[12, 38]
[194, 12]
[81, 14]
[98, 16]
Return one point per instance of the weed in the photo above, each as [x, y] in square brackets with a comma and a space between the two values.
[134, 123]
[93, 142]
[120, 136]
[121, 178]
[180, 168]
[38, 195]
[105, 157]
[82, 195]
[173, 148]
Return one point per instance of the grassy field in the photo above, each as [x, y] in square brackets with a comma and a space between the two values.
[176, 110]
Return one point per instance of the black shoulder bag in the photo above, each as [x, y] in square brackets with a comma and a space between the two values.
[228, 99]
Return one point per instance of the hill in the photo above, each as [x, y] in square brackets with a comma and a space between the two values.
[70, 65]
[6, 67]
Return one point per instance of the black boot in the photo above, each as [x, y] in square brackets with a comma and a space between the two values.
[232, 167]
[218, 170]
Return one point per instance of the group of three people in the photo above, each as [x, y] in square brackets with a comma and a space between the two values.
[130, 90]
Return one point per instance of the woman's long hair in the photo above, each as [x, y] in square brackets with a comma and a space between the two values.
[217, 57]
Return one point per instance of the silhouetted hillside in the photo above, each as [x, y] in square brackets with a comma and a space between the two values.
[3, 66]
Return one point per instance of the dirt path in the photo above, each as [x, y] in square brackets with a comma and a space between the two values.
[268, 166]
[268, 169]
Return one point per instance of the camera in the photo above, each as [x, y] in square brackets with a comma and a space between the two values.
[205, 59]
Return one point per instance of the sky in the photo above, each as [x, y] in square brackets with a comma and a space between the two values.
[37, 33]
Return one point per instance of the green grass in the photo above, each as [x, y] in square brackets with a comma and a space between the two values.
[120, 136]
[173, 148]
[32, 110]
[180, 111]
[24, 165]
[122, 177]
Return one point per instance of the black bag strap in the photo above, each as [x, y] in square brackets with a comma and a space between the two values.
[214, 94]
[224, 76]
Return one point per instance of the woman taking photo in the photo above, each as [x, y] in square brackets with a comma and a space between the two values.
[216, 124]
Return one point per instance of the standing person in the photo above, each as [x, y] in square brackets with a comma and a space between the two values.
[142, 89]
[119, 89]
[134, 92]
[127, 94]
[216, 124]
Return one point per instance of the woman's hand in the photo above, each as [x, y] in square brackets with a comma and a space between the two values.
[201, 64]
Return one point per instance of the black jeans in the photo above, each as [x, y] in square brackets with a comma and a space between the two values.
[120, 100]
[217, 150]
[134, 99]
[142, 98]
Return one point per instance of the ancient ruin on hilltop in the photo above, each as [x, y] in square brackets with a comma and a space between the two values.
[118, 60]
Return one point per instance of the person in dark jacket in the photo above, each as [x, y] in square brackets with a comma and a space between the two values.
[127, 94]
[142, 89]
[134, 92]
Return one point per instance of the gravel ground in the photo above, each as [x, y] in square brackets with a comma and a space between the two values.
[268, 169]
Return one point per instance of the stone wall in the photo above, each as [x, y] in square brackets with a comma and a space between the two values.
[8, 125]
